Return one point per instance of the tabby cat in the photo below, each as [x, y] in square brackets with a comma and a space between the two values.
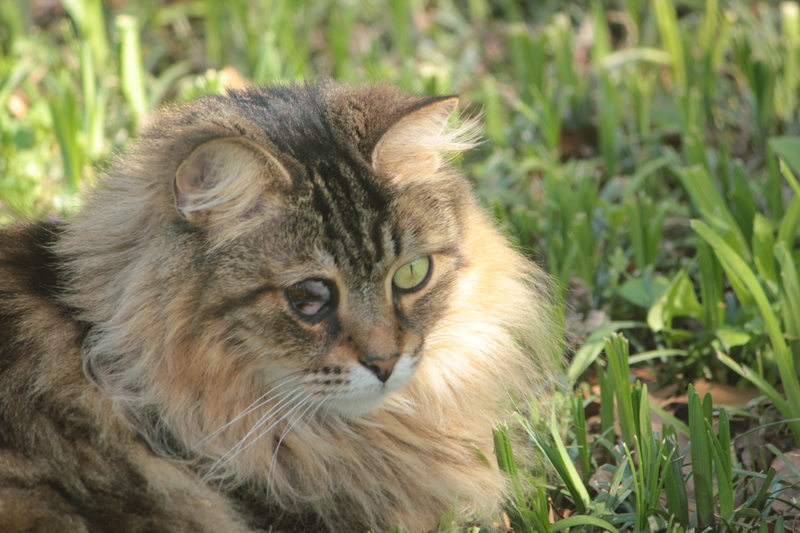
[281, 309]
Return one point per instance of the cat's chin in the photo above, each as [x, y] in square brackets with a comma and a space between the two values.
[358, 407]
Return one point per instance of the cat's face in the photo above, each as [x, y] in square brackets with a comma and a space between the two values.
[336, 300]
[336, 273]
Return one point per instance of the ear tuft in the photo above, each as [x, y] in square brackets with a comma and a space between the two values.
[418, 144]
[224, 179]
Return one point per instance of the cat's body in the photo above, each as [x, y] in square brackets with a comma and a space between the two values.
[280, 309]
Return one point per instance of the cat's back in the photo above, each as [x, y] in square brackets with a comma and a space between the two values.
[39, 339]
[34, 327]
[67, 462]
[31, 318]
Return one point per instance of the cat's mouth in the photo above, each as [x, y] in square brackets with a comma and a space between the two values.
[361, 391]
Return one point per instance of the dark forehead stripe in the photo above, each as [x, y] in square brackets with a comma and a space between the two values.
[354, 208]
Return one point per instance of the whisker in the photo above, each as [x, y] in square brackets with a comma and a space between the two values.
[240, 448]
[285, 432]
[265, 417]
[327, 410]
[257, 404]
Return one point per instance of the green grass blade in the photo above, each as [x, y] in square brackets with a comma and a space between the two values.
[644, 171]
[64, 110]
[790, 291]
[701, 462]
[678, 299]
[669, 30]
[593, 346]
[790, 37]
[664, 453]
[559, 458]
[340, 34]
[671, 419]
[606, 384]
[581, 438]
[674, 484]
[576, 521]
[656, 354]
[733, 263]
[573, 481]
[132, 71]
[789, 222]
[721, 449]
[763, 243]
[710, 204]
[505, 460]
[214, 32]
[644, 432]
[640, 511]
[711, 286]
[401, 28]
[88, 16]
[789, 176]
[762, 495]
[788, 149]
[617, 353]
[742, 196]
[791, 217]
[773, 190]
[508, 465]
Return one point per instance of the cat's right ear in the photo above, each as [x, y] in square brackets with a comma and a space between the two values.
[224, 179]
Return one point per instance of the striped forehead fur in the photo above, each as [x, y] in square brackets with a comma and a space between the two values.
[305, 128]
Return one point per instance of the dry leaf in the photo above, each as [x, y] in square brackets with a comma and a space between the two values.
[722, 394]
[788, 467]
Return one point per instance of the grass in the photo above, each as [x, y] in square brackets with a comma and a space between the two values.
[644, 152]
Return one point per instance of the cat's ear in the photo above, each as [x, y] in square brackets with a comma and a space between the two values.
[416, 146]
[224, 179]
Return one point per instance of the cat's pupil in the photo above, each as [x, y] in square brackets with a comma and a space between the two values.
[309, 297]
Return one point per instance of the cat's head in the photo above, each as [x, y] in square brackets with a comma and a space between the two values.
[331, 244]
[307, 239]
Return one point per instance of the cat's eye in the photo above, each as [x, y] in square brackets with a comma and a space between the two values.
[311, 297]
[413, 275]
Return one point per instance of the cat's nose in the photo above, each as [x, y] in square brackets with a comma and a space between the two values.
[380, 366]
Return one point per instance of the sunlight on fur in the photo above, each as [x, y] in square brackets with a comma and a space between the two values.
[235, 270]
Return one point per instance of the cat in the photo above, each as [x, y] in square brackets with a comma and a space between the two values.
[282, 309]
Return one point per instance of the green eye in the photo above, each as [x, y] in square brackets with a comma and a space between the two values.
[412, 275]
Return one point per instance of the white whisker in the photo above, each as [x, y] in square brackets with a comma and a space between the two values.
[261, 401]
[266, 416]
[240, 447]
[285, 432]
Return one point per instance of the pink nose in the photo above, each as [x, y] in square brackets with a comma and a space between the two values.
[381, 367]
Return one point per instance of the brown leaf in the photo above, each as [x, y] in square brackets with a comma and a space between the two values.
[722, 394]
[788, 467]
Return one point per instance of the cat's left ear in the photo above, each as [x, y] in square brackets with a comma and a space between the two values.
[416, 146]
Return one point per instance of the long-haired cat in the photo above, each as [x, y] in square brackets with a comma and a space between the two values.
[280, 309]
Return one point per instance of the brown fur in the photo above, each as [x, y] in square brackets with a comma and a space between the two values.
[155, 376]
